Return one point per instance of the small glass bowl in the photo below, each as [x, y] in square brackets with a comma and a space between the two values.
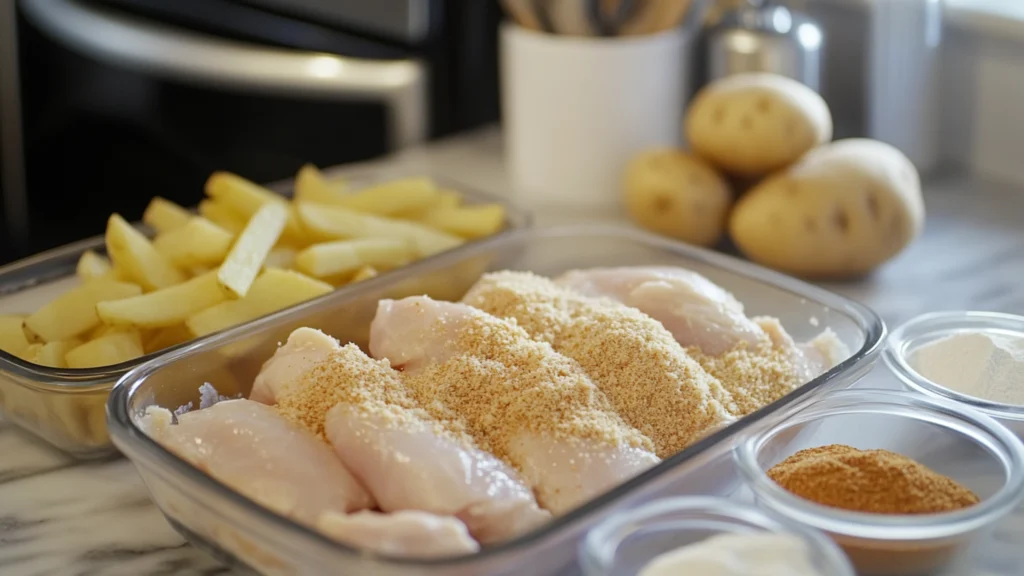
[963, 444]
[626, 541]
[906, 340]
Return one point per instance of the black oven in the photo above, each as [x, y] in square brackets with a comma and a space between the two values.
[124, 100]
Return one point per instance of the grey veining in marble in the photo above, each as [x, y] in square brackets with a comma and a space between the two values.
[59, 517]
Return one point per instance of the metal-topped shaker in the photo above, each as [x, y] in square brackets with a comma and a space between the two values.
[764, 36]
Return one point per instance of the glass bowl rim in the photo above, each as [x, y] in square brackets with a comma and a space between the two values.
[1000, 442]
[593, 556]
[926, 325]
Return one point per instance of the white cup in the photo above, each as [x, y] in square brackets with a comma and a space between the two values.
[576, 109]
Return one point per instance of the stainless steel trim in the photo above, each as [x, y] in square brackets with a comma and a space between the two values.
[145, 46]
[12, 153]
[407, 20]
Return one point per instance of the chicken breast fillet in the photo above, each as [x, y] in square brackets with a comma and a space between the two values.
[755, 359]
[650, 379]
[406, 458]
[252, 449]
[408, 533]
[518, 398]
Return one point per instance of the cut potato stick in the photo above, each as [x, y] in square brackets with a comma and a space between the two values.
[107, 350]
[245, 198]
[52, 354]
[165, 307]
[30, 353]
[445, 199]
[246, 258]
[340, 223]
[310, 186]
[467, 221]
[12, 335]
[133, 253]
[91, 265]
[364, 273]
[274, 290]
[164, 216]
[333, 258]
[394, 197]
[200, 242]
[166, 337]
[222, 216]
[281, 257]
[74, 312]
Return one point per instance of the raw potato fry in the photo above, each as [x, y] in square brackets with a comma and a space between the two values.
[12, 336]
[200, 242]
[222, 216]
[310, 186]
[135, 254]
[445, 199]
[337, 222]
[280, 257]
[274, 290]
[394, 197]
[166, 307]
[74, 312]
[365, 273]
[332, 258]
[164, 216]
[467, 221]
[52, 354]
[91, 265]
[106, 351]
[246, 258]
[246, 198]
[30, 353]
[166, 337]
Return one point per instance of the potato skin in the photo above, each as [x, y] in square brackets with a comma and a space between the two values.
[757, 123]
[841, 211]
[676, 194]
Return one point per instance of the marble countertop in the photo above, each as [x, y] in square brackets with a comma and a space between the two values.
[60, 517]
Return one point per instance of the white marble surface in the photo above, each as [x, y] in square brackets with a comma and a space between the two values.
[58, 517]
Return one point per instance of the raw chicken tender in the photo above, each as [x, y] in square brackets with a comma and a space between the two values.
[753, 358]
[304, 349]
[406, 458]
[695, 310]
[252, 449]
[649, 378]
[407, 533]
[519, 399]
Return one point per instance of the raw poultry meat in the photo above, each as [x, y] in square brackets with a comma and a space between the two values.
[754, 358]
[404, 533]
[305, 348]
[519, 399]
[252, 449]
[407, 459]
[695, 310]
[649, 378]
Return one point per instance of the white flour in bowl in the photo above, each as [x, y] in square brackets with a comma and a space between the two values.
[979, 364]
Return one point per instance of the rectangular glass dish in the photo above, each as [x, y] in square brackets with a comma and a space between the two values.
[218, 519]
[65, 407]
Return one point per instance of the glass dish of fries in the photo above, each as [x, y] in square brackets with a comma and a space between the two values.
[75, 319]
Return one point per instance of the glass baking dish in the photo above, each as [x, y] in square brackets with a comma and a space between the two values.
[218, 519]
[65, 407]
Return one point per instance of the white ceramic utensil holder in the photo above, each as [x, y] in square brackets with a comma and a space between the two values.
[576, 109]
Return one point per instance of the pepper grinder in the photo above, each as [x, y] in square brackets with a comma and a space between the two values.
[764, 36]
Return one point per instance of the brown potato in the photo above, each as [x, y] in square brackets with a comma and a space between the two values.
[678, 195]
[753, 124]
[841, 211]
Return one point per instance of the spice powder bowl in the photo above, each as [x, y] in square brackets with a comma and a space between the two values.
[962, 444]
[905, 341]
[626, 541]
